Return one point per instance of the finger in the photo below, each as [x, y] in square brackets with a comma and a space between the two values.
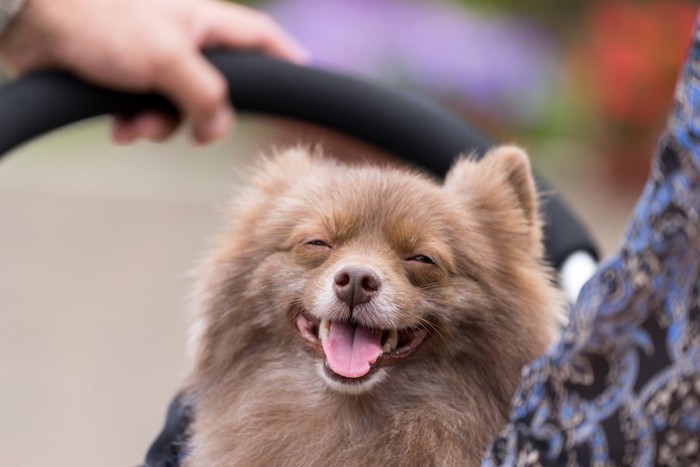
[199, 90]
[154, 126]
[241, 27]
[150, 125]
[122, 132]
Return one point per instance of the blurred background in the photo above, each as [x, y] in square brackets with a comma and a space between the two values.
[96, 241]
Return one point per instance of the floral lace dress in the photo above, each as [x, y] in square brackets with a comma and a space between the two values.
[622, 385]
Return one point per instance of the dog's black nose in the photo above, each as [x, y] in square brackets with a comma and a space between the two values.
[356, 285]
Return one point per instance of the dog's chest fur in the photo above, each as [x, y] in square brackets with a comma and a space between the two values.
[297, 421]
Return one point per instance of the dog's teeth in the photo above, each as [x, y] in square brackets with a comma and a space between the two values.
[324, 329]
[392, 341]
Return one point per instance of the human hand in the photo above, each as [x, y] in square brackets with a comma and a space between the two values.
[143, 46]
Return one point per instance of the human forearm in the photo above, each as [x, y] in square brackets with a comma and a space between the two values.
[8, 10]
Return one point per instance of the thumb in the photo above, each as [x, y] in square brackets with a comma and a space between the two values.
[240, 27]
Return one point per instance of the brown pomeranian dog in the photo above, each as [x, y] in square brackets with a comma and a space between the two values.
[361, 315]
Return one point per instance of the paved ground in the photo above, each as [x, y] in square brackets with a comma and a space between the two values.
[95, 245]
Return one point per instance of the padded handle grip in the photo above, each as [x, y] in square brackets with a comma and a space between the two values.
[405, 125]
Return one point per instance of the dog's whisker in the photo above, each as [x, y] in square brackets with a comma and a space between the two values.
[431, 327]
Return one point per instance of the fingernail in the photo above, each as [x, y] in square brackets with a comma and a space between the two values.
[122, 134]
[301, 54]
[294, 50]
[217, 126]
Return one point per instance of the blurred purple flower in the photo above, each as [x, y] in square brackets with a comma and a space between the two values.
[497, 66]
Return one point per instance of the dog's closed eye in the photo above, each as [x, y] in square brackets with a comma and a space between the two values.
[318, 243]
[422, 259]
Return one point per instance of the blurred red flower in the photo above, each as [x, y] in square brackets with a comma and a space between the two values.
[633, 56]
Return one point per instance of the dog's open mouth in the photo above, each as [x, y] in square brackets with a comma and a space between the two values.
[352, 351]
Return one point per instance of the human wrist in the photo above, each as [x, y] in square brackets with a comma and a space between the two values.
[9, 9]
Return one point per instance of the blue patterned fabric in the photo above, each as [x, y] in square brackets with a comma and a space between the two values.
[622, 385]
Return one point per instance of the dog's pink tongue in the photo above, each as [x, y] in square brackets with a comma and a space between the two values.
[351, 350]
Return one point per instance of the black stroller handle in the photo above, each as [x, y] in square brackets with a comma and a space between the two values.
[405, 125]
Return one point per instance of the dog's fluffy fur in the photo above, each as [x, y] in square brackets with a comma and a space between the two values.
[461, 260]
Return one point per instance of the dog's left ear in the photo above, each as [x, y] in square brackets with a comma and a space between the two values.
[501, 186]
